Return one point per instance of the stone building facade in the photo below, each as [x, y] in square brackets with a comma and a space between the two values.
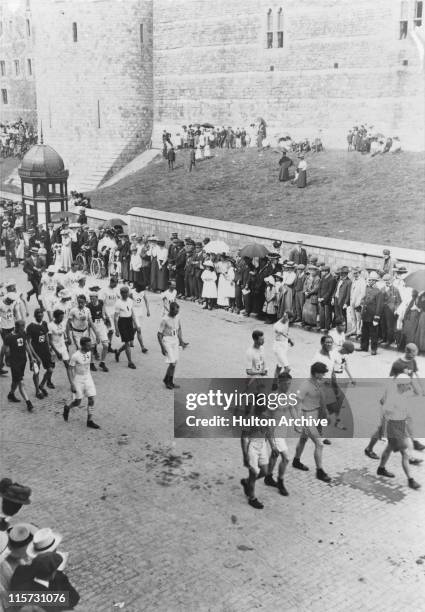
[303, 65]
[94, 82]
[112, 74]
[17, 68]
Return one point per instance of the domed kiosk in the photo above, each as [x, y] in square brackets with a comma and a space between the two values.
[44, 184]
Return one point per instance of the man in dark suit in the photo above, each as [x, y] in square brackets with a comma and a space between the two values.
[325, 292]
[299, 296]
[44, 576]
[298, 254]
[341, 296]
[372, 308]
[32, 269]
[180, 266]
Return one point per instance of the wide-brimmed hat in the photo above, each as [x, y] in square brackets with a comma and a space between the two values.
[51, 268]
[64, 294]
[270, 280]
[34, 250]
[387, 277]
[15, 492]
[374, 275]
[208, 262]
[289, 264]
[278, 274]
[21, 535]
[44, 540]
[300, 267]
[5, 224]
[10, 283]
[43, 566]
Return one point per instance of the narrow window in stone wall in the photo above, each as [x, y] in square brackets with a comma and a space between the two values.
[74, 32]
[280, 28]
[17, 67]
[270, 29]
[2, 68]
[28, 27]
[404, 12]
[4, 96]
[141, 34]
[418, 14]
[29, 67]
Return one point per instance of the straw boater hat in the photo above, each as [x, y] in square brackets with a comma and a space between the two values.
[44, 540]
[20, 535]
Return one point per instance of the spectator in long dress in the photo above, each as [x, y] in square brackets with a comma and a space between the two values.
[285, 163]
[162, 259]
[300, 179]
[209, 287]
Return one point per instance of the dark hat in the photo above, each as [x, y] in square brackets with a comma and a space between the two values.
[161, 242]
[45, 564]
[14, 492]
[174, 235]
[198, 244]
[344, 270]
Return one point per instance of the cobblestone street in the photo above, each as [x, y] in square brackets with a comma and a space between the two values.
[153, 523]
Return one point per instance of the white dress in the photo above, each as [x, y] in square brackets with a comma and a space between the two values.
[66, 253]
[209, 287]
[226, 283]
[280, 344]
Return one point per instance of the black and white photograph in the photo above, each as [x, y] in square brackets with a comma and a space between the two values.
[212, 305]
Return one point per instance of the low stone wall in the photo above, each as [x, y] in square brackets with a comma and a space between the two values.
[333, 251]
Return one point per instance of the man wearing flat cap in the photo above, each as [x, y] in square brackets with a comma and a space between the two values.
[341, 295]
[299, 296]
[372, 308]
[298, 254]
[387, 262]
[326, 290]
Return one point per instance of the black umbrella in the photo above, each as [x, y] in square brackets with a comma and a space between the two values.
[253, 250]
[207, 125]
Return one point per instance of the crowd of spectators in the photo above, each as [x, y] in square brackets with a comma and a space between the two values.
[16, 138]
[367, 141]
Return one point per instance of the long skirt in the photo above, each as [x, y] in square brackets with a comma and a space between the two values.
[137, 277]
[302, 179]
[420, 333]
[125, 269]
[410, 326]
[162, 278]
[284, 174]
[309, 312]
[154, 274]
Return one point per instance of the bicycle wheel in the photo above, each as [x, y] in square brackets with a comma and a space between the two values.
[95, 267]
[80, 261]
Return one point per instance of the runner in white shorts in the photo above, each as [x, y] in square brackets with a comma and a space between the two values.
[280, 347]
[109, 296]
[48, 288]
[80, 324]
[170, 337]
[57, 335]
[81, 381]
[277, 440]
[140, 303]
[98, 315]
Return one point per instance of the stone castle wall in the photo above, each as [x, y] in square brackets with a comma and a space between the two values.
[16, 44]
[341, 64]
[94, 94]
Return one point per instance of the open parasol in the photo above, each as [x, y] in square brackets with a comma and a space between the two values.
[207, 125]
[254, 250]
[217, 247]
[416, 280]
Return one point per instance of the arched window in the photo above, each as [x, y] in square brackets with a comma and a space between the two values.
[269, 29]
[280, 28]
